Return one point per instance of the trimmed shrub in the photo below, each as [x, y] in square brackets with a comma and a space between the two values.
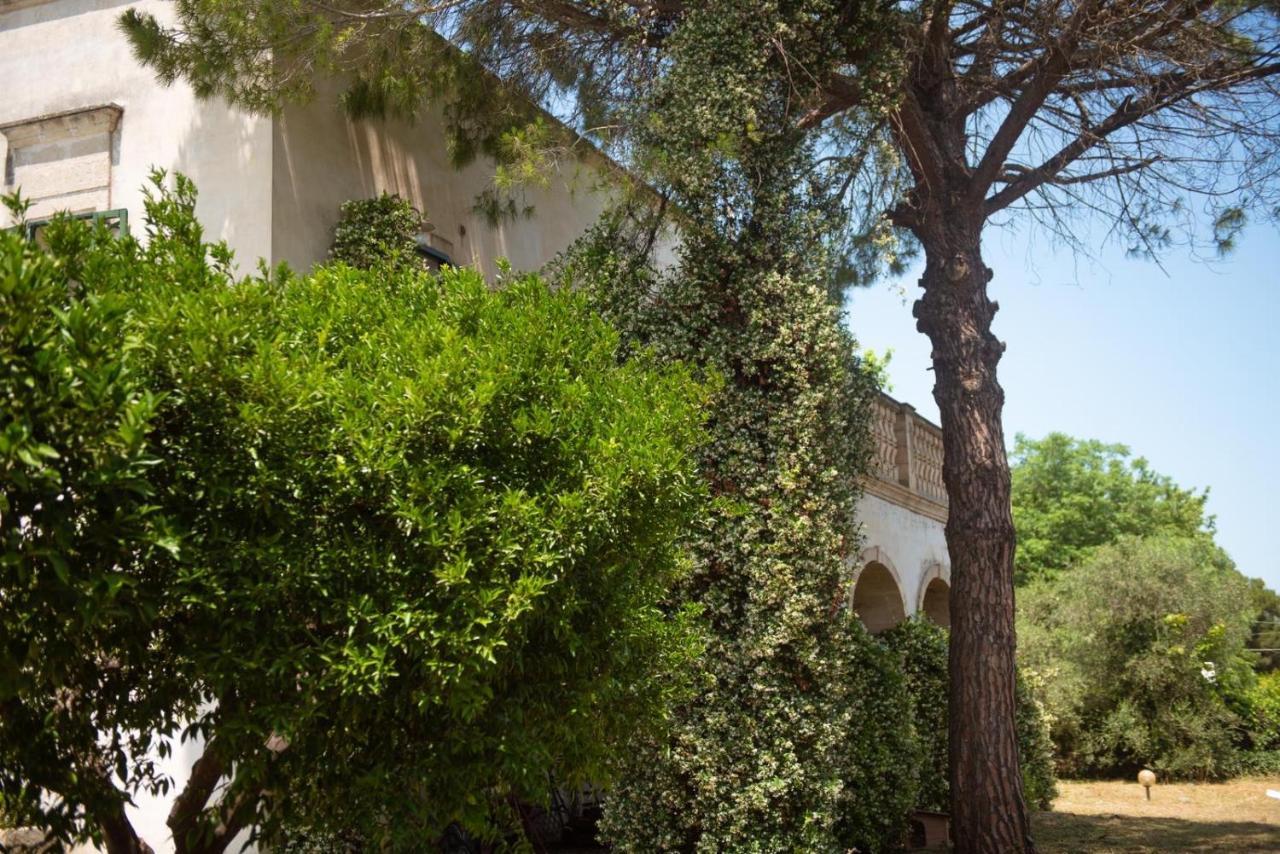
[922, 649]
[876, 747]
[394, 544]
[884, 745]
[378, 231]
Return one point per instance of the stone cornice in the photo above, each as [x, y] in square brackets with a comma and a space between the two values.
[69, 124]
[903, 497]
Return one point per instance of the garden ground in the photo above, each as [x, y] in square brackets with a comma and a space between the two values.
[1114, 818]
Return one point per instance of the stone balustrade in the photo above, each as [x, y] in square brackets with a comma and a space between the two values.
[906, 464]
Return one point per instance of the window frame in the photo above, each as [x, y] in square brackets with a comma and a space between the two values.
[32, 226]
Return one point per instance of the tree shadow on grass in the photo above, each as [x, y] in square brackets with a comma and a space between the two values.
[1068, 833]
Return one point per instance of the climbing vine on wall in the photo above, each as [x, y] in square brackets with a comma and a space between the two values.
[799, 737]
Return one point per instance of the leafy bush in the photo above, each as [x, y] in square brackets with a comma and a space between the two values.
[1263, 702]
[872, 733]
[378, 231]
[1141, 656]
[1072, 495]
[1035, 746]
[393, 545]
[87, 550]
[885, 747]
[921, 647]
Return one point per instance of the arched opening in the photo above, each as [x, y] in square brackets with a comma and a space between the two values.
[877, 600]
[936, 604]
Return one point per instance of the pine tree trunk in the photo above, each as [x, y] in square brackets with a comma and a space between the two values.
[988, 812]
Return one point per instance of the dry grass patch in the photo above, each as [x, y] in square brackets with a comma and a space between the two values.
[1115, 817]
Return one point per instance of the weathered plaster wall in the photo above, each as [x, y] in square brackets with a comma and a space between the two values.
[64, 55]
[322, 158]
[911, 545]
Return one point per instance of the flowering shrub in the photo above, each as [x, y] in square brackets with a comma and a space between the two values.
[798, 735]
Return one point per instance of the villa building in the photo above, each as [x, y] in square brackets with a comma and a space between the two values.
[82, 124]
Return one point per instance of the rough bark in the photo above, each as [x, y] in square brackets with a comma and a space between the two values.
[118, 834]
[196, 830]
[988, 811]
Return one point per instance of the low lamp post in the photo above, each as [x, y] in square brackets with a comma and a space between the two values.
[1147, 778]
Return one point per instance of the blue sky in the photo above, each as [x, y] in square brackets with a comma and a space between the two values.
[1182, 365]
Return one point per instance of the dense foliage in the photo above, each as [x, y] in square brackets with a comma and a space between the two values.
[921, 647]
[393, 545]
[1263, 704]
[1265, 604]
[798, 737]
[1072, 495]
[981, 113]
[381, 230]
[1140, 657]
[1035, 746]
[87, 551]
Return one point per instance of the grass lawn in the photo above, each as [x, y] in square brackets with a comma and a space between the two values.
[1105, 817]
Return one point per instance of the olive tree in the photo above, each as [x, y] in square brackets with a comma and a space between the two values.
[1142, 652]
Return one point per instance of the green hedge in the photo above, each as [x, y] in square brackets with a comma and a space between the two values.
[922, 647]
[416, 529]
[379, 231]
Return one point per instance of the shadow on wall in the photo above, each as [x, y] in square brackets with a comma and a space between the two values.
[323, 158]
[227, 153]
[877, 600]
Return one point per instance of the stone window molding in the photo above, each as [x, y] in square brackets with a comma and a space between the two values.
[63, 161]
[15, 5]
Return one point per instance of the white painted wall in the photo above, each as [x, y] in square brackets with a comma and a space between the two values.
[913, 546]
[63, 55]
[323, 158]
